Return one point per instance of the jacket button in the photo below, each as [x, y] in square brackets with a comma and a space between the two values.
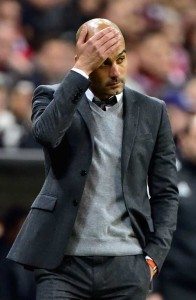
[75, 202]
[83, 172]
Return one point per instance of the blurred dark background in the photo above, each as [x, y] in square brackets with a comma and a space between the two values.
[37, 39]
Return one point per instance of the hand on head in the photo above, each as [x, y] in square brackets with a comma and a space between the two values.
[92, 52]
[101, 54]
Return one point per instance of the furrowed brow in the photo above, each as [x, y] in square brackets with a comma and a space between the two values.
[124, 51]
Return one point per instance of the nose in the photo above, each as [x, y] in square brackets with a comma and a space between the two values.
[114, 71]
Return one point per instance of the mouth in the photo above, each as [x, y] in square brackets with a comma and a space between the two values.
[114, 84]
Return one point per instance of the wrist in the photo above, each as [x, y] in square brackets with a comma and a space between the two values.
[82, 68]
[80, 72]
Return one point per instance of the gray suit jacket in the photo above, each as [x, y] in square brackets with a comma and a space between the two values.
[62, 124]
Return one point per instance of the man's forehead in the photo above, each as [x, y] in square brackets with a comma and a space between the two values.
[122, 52]
[117, 54]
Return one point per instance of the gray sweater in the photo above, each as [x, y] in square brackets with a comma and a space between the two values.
[102, 226]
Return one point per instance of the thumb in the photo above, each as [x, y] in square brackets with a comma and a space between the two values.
[83, 35]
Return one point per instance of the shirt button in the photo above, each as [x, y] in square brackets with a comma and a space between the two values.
[75, 202]
[83, 172]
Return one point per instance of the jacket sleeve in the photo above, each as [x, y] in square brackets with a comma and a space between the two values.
[162, 181]
[52, 111]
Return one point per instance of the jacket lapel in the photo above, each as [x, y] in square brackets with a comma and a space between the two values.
[131, 118]
[85, 111]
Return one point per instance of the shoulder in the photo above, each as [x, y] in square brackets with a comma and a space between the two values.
[43, 92]
[144, 101]
[49, 89]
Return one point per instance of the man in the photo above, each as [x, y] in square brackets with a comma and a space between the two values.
[92, 230]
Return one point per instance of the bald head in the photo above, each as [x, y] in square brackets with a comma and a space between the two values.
[96, 25]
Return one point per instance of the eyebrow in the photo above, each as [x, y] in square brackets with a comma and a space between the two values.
[124, 51]
[121, 53]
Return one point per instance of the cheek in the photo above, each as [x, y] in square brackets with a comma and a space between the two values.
[123, 70]
[123, 73]
[99, 78]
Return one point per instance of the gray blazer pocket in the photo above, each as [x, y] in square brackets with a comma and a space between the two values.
[45, 202]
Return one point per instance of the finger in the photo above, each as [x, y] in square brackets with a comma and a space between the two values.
[108, 45]
[109, 52]
[102, 33]
[83, 34]
[107, 37]
[111, 47]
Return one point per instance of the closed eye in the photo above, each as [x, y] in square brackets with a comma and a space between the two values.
[107, 62]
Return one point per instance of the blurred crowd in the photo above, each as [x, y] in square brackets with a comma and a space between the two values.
[37, 39]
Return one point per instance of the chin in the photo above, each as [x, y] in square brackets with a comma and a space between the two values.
[113, 91]
[119, 91]
[116, 91]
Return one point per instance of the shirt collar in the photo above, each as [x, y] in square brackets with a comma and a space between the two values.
[90, 95]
